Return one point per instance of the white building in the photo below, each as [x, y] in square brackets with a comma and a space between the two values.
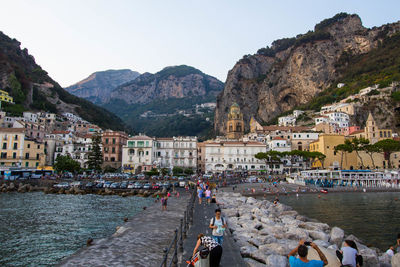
[297, 113]
[287, 121]
[302, 140]
[233, 156]
[78, 149]
[279, 144]
[138, 154]
[176, 151]
[340, 118]
[30, 117]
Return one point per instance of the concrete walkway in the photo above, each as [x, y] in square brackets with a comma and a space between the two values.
[201, 220]
[139, 242]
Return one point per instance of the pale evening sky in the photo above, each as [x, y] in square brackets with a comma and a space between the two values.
[73, 38]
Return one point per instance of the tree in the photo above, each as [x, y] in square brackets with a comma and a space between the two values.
[387, 147]
[188, 171]
[152, 172]
[108, 168]
[344, 148]
[66, 164]
[370, 150]
[359, 144]
[164, 171]
[177, 170]
[95, 157]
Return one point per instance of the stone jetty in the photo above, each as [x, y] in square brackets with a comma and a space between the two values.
[138, 242]
[267, 232]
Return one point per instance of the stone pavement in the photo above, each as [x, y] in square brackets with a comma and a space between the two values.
[201, 220]
[139, 242]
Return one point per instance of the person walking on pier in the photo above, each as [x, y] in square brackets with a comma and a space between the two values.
[213, 247]
[200, 193]
[218, 224]
[302, 261]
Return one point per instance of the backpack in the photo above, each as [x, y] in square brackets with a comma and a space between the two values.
[213, 221]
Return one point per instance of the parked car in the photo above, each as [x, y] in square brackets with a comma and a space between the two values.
[147, 186]
[138, 185]
[182, 183]
[176, 184]
[99, 185]
[107, 184]
[115, 185]
[77, 184]
[90, 185]
[131, 186]
[123, 185]
[62, 185]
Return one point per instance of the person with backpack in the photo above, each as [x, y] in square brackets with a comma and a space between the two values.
[218, 224]
[211, 246]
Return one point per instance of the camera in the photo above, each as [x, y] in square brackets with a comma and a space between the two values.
[307, 243]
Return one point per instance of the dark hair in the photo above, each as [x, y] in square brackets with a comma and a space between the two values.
[352, 244]
[200, 236]
[302, 251]
[217, 210]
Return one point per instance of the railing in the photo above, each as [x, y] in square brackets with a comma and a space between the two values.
[176, 244]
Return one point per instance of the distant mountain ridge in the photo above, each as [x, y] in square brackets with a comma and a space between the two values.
[171, 82]
[98, 86]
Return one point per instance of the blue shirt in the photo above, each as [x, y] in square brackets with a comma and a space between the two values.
[296, 262]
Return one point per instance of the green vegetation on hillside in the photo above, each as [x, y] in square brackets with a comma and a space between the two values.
[24, 73]
[172, 125]
[379, 66]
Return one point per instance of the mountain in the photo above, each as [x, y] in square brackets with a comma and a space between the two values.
[33, 89]
[171, 82]
[293, 71]
[167, 103]
[98, 86]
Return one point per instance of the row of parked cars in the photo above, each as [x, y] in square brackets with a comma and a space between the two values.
[119, 185]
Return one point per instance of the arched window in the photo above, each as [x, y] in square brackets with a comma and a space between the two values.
[132, 151]
[238, 127]
[230, 127]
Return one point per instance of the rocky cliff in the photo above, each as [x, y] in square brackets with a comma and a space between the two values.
[33, 89]
[98, 86]
[171, 82]
[294, 70]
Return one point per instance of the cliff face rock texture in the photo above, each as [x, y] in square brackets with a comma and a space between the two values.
[98, 86]
[294, 70]
[171, 82]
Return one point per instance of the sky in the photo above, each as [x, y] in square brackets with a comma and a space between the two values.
[71, 39]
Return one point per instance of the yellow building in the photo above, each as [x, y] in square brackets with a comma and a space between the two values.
[235, 125]
[11, 147]
[373, 133]
[33, 155]
[326, 145]
[255, 125]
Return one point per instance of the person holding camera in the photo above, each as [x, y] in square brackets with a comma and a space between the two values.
[302, 260]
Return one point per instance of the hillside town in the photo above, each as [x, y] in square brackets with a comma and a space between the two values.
[36, 139]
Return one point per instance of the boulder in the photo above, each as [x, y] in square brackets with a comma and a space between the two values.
[384, 260]
[396, 260]
[251, 200]
[295, 233]
[277, 261]
[276, 248]
[336, 236]
[253, 263]
[321, 243]
[246, 251]
[318, 235]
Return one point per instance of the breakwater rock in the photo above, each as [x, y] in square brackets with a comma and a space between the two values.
[267, 232]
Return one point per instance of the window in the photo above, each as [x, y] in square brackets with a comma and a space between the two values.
[113, 141]
[131, 143]
[37, 156]
[14, 155]
[106, 140]
[4, 145]
[26, 164]
[106, 159]
[3, 155]
[37, 164]
[147, 143]
[113, 150]
[38, 146]
[112, 159]
[15, 146]
[147, 153]
[28, 146]
[26, 155]
[140, 143]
